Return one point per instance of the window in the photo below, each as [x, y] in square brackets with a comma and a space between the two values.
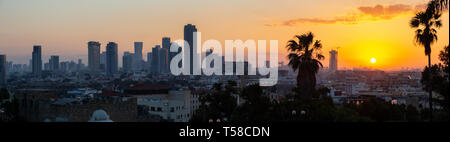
[152, 108]
[159, 109]
[172, 109]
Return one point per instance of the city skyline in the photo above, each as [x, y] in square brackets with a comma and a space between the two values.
[134, 25]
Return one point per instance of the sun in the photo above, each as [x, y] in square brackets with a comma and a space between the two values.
[373, 60]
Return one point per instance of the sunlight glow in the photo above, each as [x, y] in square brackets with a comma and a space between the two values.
[373, 60]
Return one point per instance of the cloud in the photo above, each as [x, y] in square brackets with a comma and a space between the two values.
[385, 12]
[365, 13]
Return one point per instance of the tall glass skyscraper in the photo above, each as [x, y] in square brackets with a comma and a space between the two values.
[138, 60]
[155, 68]
[112, 65]
[37, 60]
[94, 56]
[189, 30]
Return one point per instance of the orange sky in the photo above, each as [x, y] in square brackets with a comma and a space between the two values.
[363, 29]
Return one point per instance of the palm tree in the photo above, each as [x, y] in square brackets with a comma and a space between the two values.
[437, 5]
[305, 58]
[425, 24]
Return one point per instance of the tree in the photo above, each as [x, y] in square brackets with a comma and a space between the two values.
[439, 84]
[305, 58]
[4, 94]
[425, 24]
[437, 6]
[445, 58]
[219, 104]
[256, 107]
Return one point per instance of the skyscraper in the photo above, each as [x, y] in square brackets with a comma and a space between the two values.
[137, 63]
[37, 60]
[111, 58]
[189, 30]
[163, 60]
[149, 61]
[155, 60]
[94, 56]
[54, 63]
[103, 61]
[2, 70]
[127, 61]
[166, 45]
[333, 60]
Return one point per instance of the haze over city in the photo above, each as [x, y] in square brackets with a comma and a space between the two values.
[64, 27]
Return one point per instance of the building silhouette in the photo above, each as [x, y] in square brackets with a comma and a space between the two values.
[155, 68]
[149, 61]
[103, 61]
[127, 61]
[37, 60]
[94, 56]
[2, 70]
[112, 65]
[163, 60]
[189, 30]
[54, 63]
[333, 60]
[138, 60]
[166, 43]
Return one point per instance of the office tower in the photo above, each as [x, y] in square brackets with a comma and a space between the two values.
[333, 60]
[2, 70]
[94, 56]
[103, 62]
[127, 61]
[54, 63]
[138, 60]
[189, 30]
[37, 60]
[166, 43]
[149, 60]
[155, 60]
[111, 58]
[163, 60]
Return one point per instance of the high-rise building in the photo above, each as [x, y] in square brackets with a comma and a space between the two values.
[333, 60]
[138, 60]
[94, 56]
[189, 30]
[103, 61]
[2, 70]
[166, 45]
[54, 63]
[149, 60]
[155, 68]
[163, 60]
[37, 60]
[127, 61]
[112, 65]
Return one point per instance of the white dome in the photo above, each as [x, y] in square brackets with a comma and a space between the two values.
[100, 116]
